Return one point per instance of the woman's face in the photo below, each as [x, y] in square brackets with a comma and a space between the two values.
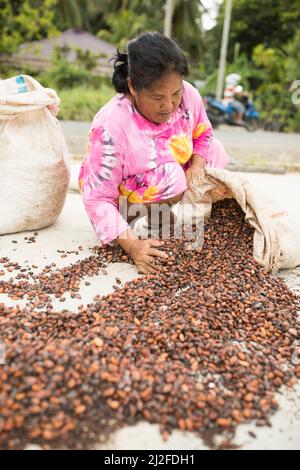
[163, 98]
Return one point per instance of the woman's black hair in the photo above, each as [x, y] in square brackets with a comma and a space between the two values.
[149, 56]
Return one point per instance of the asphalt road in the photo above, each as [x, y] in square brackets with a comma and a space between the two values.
[245, 148]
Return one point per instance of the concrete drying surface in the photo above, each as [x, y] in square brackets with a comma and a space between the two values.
[73, 229]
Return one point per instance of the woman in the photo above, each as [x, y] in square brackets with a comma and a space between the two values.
[146, 143]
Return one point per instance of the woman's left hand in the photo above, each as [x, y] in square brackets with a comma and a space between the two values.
[198, 164]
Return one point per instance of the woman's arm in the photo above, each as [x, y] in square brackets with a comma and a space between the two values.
[100, 175]
[202, 134]
[202, 128]
[126, 240]
[99, 179]
[198, 160]
[198, 163]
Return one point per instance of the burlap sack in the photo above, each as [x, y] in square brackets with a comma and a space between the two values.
[276, 243]
[34, 167]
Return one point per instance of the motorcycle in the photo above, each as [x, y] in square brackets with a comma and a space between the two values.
[218, 113]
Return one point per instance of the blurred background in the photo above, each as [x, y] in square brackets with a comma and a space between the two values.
[66, 44]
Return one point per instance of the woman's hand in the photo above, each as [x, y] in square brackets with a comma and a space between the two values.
[53, 108]
[198, 164]
[143, 253]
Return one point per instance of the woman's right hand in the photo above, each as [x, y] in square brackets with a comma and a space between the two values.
[143, 251]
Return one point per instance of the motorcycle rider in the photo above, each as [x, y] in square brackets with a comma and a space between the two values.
[232, 94]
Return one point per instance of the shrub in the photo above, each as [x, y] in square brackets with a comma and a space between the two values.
[81, 104]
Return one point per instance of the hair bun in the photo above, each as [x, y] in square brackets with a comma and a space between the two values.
[120, 74]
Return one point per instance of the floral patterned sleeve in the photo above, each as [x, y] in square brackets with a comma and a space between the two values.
[99, 178]
[202, 130]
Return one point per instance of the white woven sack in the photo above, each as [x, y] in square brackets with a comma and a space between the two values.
[34, 166]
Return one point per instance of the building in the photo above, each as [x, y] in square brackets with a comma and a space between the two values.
[37, 54]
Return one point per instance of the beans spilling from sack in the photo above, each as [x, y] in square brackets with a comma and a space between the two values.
[202, 346]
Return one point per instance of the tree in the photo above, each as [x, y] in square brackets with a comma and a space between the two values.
[25, 21]
[292, 68]
[268, 22]
[122, 26]
[153, 9]
[264, 49]
[125, 18]
[95, 15]
[80, 14]
[186, 27]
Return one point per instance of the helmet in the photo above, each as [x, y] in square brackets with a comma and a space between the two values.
[233, 79]
[239, 89]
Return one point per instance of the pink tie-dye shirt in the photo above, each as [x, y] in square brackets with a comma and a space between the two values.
[128, 155]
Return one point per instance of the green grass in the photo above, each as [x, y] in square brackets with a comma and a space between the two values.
[81, 104]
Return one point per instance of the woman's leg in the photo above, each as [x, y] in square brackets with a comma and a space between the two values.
[158, 212]
[153, 192]
[217, 156]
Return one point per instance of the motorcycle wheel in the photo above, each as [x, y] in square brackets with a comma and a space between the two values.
[214, 119]
[252, 124]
